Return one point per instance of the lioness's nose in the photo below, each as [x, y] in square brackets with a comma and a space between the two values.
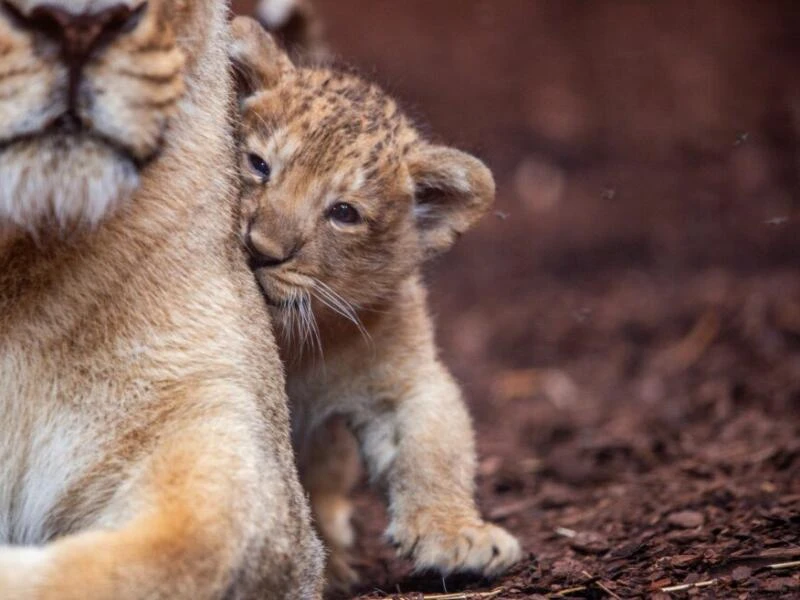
[80, 34]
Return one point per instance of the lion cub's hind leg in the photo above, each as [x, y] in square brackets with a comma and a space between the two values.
[329, 470]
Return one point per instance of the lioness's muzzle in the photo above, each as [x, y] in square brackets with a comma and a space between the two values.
[79, 36]
[87, 91]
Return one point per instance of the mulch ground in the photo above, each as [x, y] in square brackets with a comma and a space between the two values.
[659, 458]
[626, 326]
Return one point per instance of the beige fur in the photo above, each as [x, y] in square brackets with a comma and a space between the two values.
[144, 435]
[350, 305]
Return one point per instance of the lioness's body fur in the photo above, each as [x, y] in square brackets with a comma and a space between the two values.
[143, 429]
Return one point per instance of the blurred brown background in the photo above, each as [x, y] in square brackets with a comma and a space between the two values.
[627, 325]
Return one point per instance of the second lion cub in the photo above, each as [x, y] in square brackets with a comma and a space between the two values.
[343, 201]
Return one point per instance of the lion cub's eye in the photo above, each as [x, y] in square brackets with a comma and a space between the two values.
[344, 213]
[260, 166]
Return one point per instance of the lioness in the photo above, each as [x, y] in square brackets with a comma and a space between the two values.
[144, 436]
[343, 201]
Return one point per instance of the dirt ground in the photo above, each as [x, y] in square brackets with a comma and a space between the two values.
[626, 326]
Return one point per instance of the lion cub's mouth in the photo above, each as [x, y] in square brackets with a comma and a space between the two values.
[280, 293]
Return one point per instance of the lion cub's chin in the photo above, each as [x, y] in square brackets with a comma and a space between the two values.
[32, 176]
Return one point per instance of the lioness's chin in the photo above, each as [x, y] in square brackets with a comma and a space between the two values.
[63, 181]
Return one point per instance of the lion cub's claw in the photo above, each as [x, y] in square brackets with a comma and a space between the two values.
[476, 547]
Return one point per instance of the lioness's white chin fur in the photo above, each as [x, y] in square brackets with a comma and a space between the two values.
[32, 190]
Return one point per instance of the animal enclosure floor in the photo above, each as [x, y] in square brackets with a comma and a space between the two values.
[659, 448]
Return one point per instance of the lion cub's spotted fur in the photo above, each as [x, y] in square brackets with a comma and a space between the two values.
[313, 139]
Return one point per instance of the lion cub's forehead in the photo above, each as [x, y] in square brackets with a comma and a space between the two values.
[336, 126]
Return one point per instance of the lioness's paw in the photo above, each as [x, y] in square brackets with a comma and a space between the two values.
[474, 547]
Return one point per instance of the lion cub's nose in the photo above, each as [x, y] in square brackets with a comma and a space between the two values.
[265, 252]
[80, 34]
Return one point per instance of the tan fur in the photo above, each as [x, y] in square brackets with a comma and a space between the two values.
[144, 434]
[350, 304]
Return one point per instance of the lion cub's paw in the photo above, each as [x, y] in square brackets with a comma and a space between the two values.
[474, 546]
[340, 577]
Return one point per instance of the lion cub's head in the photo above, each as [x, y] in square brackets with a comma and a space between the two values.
[87, 88]
[343, 199]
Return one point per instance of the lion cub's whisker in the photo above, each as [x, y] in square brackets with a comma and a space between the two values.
[340, 306]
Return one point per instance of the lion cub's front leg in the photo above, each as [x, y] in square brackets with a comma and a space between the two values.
[421, 447]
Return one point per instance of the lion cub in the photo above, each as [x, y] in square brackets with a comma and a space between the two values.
[343, 201]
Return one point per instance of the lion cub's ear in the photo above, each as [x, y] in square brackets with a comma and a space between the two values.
[258, 61]
[453, 190]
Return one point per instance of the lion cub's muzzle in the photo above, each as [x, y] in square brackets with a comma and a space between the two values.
[87, 89]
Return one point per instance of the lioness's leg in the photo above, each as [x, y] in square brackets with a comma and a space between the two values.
[329, 471]
[209, 513]
[420, 446]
